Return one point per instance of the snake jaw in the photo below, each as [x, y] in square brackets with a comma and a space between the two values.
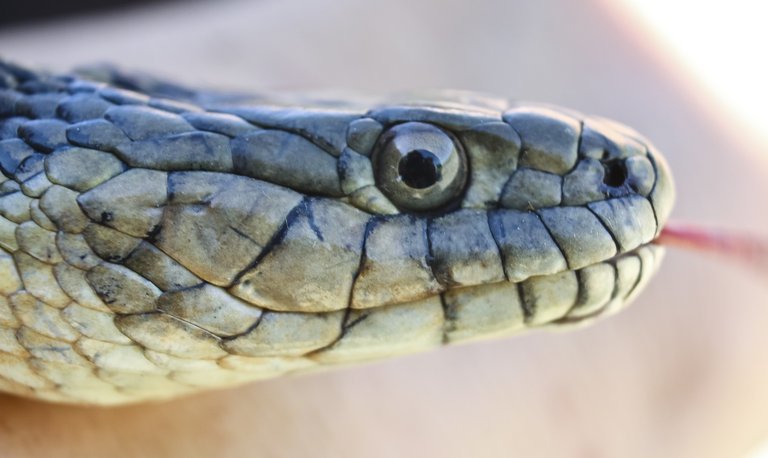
[154, 245]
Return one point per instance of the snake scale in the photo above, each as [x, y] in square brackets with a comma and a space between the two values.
[156, 241]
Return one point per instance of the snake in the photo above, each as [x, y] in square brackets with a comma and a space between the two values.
[157, 241]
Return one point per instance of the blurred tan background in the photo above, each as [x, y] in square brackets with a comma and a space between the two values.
[683, 372]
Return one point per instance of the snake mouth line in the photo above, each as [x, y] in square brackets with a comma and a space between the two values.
[569, 297]
[634, 251]
[617, 296]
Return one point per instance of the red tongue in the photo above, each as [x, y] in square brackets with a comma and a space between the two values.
[746, 248]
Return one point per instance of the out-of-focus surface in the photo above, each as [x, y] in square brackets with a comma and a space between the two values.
[681, 373]
[722, 42]
[34, 10]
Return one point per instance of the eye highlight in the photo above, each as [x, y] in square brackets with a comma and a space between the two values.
[419, 167]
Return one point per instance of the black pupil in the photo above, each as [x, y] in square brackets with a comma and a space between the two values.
[419, 169]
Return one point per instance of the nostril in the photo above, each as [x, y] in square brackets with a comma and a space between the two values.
[615, 173]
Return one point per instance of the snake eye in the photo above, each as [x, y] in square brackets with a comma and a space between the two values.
[419, 167]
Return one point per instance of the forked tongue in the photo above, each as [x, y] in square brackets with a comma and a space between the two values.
[748, 249]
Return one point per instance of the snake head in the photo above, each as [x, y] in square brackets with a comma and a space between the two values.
[156, 240]
[475, 216]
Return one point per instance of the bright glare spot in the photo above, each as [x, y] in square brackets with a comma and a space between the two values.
[724, 42]
[761, 452]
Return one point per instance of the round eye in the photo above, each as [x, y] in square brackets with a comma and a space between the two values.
[419, 167]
